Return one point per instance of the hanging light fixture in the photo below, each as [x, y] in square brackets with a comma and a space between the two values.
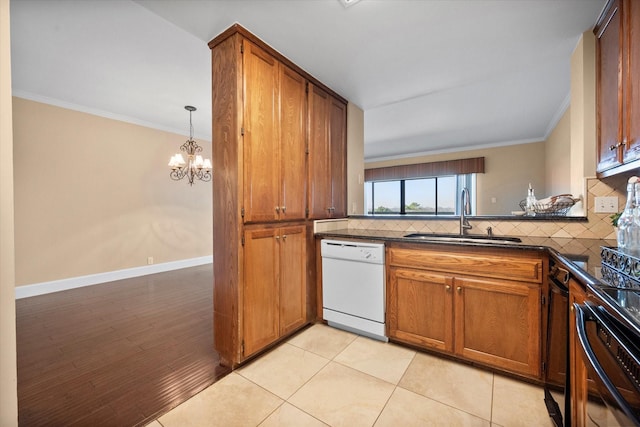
[195, 166]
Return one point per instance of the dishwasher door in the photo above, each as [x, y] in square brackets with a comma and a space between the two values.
[353, 287]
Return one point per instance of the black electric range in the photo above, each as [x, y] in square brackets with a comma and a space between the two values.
[608, 328]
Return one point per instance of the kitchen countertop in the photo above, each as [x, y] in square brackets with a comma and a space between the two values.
[580, 256]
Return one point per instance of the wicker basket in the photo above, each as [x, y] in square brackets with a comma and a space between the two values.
[549, 209]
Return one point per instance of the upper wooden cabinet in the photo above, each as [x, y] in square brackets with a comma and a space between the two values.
[327, 155]
[618, 87]
[274, 138]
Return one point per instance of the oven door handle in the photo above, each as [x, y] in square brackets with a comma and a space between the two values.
[585, 314]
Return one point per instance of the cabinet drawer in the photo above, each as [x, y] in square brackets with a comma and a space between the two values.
[500, 266]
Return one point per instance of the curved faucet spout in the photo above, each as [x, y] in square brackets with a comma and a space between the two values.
[465, 209]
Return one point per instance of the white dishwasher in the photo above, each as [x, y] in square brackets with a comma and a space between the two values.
[353, 287]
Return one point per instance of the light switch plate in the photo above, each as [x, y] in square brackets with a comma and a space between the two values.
[606, 205]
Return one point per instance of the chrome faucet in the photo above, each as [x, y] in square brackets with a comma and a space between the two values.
[465, 209]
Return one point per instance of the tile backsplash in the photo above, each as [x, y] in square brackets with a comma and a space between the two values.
[597, 226]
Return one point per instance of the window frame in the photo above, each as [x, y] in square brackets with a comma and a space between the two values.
[462, 181]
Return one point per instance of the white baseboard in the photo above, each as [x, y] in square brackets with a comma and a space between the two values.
[109, 276]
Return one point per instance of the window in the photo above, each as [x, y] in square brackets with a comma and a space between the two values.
[418, 196]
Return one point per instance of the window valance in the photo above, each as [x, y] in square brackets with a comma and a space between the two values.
[423, 170]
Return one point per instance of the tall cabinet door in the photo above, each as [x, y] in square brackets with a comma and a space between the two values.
[609, 92]
[631, 64]
[293, 291]
[293, 113]
[319, 166]
[338, 144]
[260, 296]
[261, 135]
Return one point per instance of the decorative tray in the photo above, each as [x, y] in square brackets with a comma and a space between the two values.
[620, 269]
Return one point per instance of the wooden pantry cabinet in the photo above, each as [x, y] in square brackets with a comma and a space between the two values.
[261, 191]
[618, 87]
[479, 306]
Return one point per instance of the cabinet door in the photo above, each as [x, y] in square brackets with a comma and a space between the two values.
[293, 113]
[319, 166]
[260, 292]
[498, 323]
[338, 158]
[293, 289]
[631, 65]
[419, 308]
[609, 89]
[261, 137]
[558, 328]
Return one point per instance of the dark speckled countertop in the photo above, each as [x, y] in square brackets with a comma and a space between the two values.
[580, 256]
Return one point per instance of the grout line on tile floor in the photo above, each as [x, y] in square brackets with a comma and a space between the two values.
[271, 413]
[385, 405]
[302, 410]
[415, 353]
[493, 392]
[448, 405]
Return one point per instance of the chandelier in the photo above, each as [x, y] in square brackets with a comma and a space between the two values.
[195, 166]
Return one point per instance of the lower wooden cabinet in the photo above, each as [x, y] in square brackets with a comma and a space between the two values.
[420, 308]
[581, 384]
[274, 291]
[498, 323]
[493, 321]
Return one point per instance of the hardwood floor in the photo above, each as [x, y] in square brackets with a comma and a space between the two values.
[116, 354]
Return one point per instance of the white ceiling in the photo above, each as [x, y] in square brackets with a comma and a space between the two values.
[430, 75]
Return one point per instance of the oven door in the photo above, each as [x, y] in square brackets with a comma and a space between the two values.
[613, 362]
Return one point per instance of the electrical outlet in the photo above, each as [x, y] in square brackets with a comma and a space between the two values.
[606, 205]
[149, 260]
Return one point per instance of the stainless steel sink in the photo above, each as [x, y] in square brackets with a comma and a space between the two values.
[477, 238]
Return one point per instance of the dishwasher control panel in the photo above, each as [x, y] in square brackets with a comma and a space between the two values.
[353, 251]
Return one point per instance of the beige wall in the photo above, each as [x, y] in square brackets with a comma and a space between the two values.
[8, 373]
[508, 172]
[583, 113]
[355, 160]
[93, 195]
[558, 155]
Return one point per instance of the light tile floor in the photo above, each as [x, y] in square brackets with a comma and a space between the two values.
[329, 377]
